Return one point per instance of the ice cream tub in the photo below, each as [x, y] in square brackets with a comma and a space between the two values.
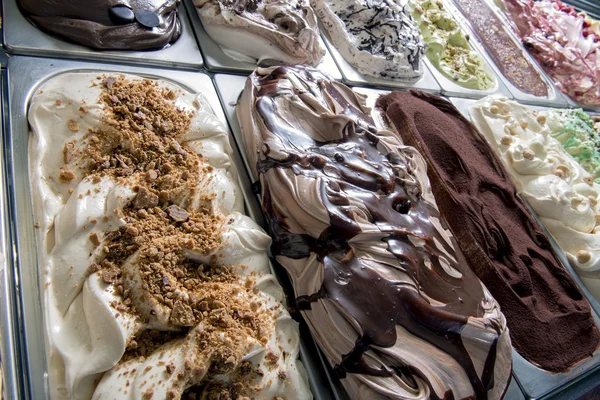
[217, 61]
[535, 382]
[353, 77]
[229, 88]
[23, 38]
[554, 97]
[458, 66]
[576, 84]
[10, 368]
[22, 86]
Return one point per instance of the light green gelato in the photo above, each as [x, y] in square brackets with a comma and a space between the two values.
[448, 48]
[575, 130]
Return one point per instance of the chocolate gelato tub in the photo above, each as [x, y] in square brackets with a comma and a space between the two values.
[23, 38]
[217, 61]
[29, 293]
[535, 382]
[512, 50]
[10, 372]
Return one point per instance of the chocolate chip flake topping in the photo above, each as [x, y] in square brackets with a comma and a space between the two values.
[152, 260]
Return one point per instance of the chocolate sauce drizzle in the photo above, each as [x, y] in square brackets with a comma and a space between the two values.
[361, 168]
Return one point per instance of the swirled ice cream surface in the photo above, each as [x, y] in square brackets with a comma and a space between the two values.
[559, 189]
[263, 31]
[564, 42]
[448, 47]
[154, 282]
[377, 37]
[387, 295]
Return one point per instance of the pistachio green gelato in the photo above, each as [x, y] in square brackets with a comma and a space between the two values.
[575, 130]
[448, 47]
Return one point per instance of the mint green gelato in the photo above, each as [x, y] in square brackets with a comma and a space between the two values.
[448, 48]
[575, 130]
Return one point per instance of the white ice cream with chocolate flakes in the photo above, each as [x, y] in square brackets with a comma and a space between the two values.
[263, 31]
[154, 282]
[559, 189]
[378, 37]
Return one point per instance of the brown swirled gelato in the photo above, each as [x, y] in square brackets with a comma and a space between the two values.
[107, 25]
[387, 295]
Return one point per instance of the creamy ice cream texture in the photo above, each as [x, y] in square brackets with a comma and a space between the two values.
[503, 50]
[108, 25]
[448, 46]
[559, 189]
[579, 136]
[154, 282]
[377, 37]
[550, 322]
[263, 31]
[389, 299]
[565, 43]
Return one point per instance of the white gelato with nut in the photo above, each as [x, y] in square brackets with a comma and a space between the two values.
[154, 282]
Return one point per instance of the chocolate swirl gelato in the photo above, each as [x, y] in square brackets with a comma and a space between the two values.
[264, 32]
[550, 321]
[107, 24]
[378, 278]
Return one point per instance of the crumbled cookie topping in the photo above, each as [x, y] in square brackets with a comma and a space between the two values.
[166, 227]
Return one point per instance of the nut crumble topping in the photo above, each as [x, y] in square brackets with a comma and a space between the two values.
[151, 261]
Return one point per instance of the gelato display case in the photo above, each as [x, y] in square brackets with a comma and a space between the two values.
[303, 199]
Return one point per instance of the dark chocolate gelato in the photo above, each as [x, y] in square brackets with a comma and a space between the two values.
[550, 321]
[107, 24]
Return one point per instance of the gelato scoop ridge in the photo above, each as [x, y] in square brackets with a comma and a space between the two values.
[387, 295]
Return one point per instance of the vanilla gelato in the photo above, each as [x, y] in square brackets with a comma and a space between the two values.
[560, 190]
[377, 37]
[263, 31]
[154, 282]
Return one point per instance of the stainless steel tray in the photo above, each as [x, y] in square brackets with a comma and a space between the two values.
[3, 58]
[535, 382]
[217, 61]
[25, 75]
[8, 332]
[351, 76]
[573, 104]
[555, 97]
[21, 37]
